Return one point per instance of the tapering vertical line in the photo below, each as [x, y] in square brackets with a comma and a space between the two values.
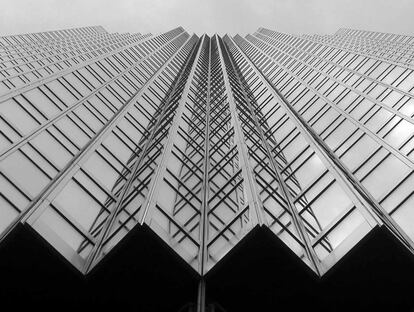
[370, 217]
[93, 256]
[74, 164]
[336, 164]
[203, 254]
[154, 188]
[297, 221]
[254, 201]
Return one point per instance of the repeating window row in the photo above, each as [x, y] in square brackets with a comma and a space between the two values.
[50, 35]
[379, 170]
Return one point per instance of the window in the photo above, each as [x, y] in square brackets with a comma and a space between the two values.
[18, 117]
[22, 170]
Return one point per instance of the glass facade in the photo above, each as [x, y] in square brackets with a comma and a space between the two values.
[204, 138]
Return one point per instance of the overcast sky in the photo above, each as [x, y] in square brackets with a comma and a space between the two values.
[210, 16]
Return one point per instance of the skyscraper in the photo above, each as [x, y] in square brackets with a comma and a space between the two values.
[206, 143]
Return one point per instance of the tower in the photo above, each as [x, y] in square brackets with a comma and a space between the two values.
[207, 144]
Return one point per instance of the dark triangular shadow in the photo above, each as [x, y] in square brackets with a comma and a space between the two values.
[262, 274]
[34, 275]
[377, 275]
[142, 273]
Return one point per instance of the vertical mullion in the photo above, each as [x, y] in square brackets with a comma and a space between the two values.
[93, 256]
[340, 171]
[203, 254]
[34, 210]
[298, 223]
[248, 177]
[149, 204]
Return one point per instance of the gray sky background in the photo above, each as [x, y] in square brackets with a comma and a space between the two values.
[210, 16]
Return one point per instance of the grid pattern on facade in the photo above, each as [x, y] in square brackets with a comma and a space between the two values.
[204, 138]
